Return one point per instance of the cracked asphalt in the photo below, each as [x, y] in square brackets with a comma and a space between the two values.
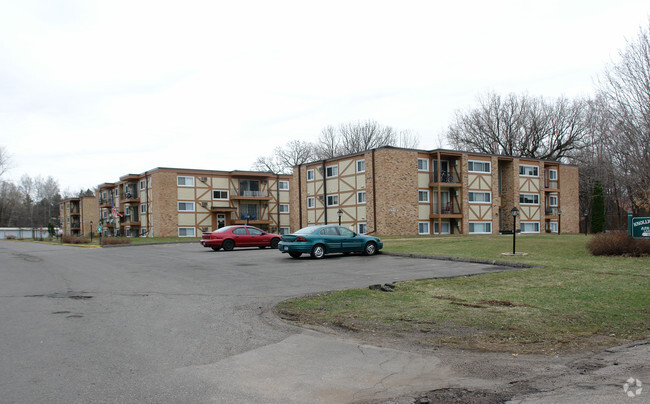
[180, 323]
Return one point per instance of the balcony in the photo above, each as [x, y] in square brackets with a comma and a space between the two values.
[553, 212]
[129, 197]
[551, 185]
[256, 195]
[446, 179]
[105, 203]
[446, 212]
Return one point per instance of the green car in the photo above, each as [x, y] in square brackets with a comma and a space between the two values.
[321, 240]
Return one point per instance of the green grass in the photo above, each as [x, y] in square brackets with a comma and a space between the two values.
[572, 301]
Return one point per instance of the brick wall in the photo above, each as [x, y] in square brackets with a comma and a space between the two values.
[569, 199]
[164, 195]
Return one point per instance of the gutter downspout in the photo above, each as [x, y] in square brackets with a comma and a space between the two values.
[277, 184]
[374, 194]
[324, 191]
[300, 196]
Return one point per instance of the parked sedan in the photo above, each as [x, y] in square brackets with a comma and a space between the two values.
[321, 240]
[230, 237]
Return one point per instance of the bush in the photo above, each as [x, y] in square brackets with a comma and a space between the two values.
[75, 240]
[115, 240]
[11, 237]
[618, 243]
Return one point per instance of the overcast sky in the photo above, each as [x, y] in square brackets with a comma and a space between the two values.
[93, 90]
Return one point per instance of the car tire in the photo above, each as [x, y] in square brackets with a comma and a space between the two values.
[295, 254]
[261, 247]
[274, 243]
[370, 248]
[318, 251]
[228, 245]
[215, 248]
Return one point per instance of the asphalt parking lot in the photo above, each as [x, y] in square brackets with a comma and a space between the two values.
[181, 323]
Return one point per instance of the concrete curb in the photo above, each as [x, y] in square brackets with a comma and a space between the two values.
[462, 259]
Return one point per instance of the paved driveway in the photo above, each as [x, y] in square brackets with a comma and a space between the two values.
[180, 323]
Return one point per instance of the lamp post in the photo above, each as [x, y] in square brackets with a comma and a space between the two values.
[585, 215]
[559, 221]
[340, 213]
[91, 231]
[514, 212]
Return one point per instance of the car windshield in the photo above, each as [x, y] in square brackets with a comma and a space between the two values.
[307, 230]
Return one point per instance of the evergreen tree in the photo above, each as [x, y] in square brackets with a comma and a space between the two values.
[598, 209]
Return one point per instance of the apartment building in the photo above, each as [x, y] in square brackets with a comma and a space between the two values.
[77, 214]
[396, 191]
[175, 202]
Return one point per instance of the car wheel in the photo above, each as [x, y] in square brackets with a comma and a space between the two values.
[370, 248]
[295, 254]
[215, 248]
[274, 243]
[228, 245]
[318, 251]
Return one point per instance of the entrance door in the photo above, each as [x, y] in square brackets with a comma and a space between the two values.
[221, 220]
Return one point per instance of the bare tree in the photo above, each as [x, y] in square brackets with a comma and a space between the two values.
[285, 158]
[522, 126]
[5, 160]
[625, 89]
[329, 143]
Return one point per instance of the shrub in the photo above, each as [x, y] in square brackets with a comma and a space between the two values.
[11, 237]
[115, 240]
[75, 240]
[618, 243]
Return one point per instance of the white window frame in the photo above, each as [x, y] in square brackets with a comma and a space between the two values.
[185, 178]
[472, 195]
[311, 202]
[525, 166]
[525, 224]
[220, 199]
[334, 200]
[178, 206]
[334, 171]
[283, 208]
[550, 201]
[486, 224]
[472, 169]
[552, 177]
[361, 166]
[535, 197]
[359, 228]
[285, 230]
[127, 210]
[553, 227]
[428, 228]
[361, 194]
[423, 192]
[187, 228]
[310, 175]
[143, 208]
[425, 164]
[142, 184]
[283, 185]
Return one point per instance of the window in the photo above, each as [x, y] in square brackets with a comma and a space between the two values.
[423, 228]
[142, 184]
[529, 171]
[553, 227]
[254, 232]
[186, 232]
[332, 200]
[127, 211]
[283, 185]
[361, 166]
[530, 199]
[185, 181]
[311, 202]
[552, 175]
[552, 200]
[423, 196]
[284, 208]
[444, 229]
[478, 166]
[186, 206]
[285, 230]
[361, 228]
[220, 195]
[480, 227]
[143, 232]
[423, 164]
[310, 175]
[143, 208]
[480, 197]
[361, 197]
[530, 227]
[332, 171]
[250, 188]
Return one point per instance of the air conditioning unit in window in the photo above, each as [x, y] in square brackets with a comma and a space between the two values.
[204, 229]
[264, 182]
[204, 179]
[204, 204]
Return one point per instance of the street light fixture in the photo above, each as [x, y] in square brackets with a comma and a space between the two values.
[559, 221]
[514, 212]
[340, 213]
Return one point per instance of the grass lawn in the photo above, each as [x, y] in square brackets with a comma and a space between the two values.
[573, 301]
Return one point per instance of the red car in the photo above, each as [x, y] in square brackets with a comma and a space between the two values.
[230, 237]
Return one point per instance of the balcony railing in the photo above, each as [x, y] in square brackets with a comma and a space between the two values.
[255, 194]
[129, 195]
[445, 177]
[551, 184]
[551, 211]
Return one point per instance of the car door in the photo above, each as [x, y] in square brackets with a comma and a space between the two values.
[350, 241]
[331, 238]
[256, 237]
[241, 237]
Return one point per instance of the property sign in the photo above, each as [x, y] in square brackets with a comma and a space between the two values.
[641, 227]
